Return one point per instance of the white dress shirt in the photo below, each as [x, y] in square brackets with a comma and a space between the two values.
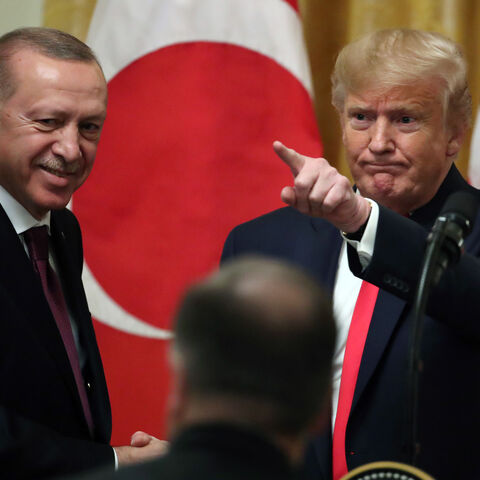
[345, 293]
[22, 220]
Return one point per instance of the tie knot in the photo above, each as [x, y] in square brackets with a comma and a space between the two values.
[36, 239]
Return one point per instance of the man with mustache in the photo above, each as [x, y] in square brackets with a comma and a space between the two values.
[54, 408]
[404, 107]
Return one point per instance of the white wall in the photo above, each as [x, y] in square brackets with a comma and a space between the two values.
[20, 13]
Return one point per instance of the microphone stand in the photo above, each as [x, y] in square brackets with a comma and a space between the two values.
[434, 264]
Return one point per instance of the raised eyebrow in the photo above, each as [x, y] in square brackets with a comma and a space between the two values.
[42, 113]
[59, 115]
[58, 112]
[359, 109]
[405, 110]
[100, 118]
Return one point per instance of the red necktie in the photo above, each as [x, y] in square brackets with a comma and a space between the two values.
[36, 240]
[357, 335]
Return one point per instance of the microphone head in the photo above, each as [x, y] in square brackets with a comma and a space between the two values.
[462, 208]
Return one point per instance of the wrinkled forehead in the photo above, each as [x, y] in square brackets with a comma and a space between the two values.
[421, 93]
[426, 95]
[29, 66]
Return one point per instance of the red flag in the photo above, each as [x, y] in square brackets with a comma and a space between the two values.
[198, 91]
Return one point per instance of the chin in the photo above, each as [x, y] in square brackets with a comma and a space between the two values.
[53, 204]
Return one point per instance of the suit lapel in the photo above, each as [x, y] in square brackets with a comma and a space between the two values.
[329, 241]
[64, 247]
[389, 309]
[67, 244]
[24, 287]
[387, 313]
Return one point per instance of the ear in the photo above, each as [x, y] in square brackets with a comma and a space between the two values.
[342, 119]
[455, 141]
[344, 137]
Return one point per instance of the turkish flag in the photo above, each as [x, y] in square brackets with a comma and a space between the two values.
[198, 91]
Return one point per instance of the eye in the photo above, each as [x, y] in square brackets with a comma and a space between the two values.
[360, 116]
[90, 129]
[408, 123]
[361, 120]
[47, 122]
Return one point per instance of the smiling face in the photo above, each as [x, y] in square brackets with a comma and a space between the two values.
[49, 129]
[398, 145]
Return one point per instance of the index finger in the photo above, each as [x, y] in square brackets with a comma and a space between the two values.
[289, 156]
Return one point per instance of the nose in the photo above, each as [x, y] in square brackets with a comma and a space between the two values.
[67, 144]
[381, 137]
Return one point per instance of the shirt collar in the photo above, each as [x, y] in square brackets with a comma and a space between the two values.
[21, 219]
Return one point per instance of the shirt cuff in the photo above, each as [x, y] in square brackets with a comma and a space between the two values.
[365, 245]
[116, 459]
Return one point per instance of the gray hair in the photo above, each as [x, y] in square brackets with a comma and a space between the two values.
[47, 41]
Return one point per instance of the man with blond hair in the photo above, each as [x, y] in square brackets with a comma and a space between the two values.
[404, 108]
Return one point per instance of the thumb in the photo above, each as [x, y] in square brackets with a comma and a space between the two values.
[140, 439]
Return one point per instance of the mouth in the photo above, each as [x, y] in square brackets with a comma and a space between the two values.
[56, 172]
[392, 167]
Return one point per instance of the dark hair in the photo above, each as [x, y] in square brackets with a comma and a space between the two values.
[262, 332]
[47, 41]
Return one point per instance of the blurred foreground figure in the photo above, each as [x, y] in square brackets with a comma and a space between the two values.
[404, 108]
[251, 368]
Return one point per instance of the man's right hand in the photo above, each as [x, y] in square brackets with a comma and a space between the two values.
[143, 447]
[320, 190]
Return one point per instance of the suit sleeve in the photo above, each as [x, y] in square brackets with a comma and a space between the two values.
[396, 266]
[228, 248]
[33, 402]
[31, 451]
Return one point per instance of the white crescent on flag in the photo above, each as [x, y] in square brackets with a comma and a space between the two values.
[109, 312]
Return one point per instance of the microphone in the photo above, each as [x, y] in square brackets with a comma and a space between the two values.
[444, 249]
[445, 241]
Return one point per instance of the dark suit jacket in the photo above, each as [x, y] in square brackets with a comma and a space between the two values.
[449, 396]
[211, 452]
[42, 426]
